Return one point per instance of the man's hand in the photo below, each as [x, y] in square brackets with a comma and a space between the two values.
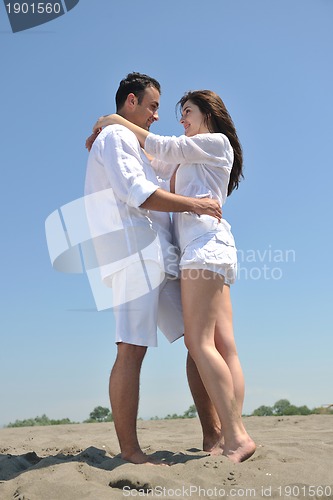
[208, 206]
[163, 201]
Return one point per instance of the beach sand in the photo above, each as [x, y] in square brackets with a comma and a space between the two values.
[294, 459]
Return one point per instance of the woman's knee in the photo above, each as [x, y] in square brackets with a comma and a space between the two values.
[190, 345]
[196, 347]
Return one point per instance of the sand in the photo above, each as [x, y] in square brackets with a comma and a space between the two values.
[294, 459]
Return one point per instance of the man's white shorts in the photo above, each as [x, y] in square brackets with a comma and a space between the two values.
[137, 320]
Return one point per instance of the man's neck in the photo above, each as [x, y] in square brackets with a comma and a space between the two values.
[124, 115]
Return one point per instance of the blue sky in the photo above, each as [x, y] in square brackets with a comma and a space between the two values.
[271, 62]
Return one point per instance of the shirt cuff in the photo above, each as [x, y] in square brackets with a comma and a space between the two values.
[150, 144]
[140, 192]
[165, 184]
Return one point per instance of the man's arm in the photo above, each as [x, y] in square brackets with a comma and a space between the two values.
[162, 201]
[121, 159]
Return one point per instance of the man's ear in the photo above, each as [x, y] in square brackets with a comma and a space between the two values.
[131, 101]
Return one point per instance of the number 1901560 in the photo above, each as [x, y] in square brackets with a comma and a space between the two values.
[33, 8]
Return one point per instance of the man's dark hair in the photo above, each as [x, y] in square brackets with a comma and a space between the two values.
[134, 83]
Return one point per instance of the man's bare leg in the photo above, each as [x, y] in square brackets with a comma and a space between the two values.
[124, 398]
[210, 422]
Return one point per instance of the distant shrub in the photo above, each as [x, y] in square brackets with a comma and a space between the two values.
[283, 407]
[99, 414]
[263, 411]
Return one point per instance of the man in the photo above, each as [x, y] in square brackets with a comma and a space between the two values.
[118, 165]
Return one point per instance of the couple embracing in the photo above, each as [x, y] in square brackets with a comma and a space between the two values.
[151, 176]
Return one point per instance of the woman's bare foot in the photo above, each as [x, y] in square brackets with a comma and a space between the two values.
[240, 451]
[141, 458]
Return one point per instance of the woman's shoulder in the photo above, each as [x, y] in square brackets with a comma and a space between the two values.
[213, 143]
[213, 137]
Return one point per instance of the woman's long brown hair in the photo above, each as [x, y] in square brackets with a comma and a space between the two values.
[217, 119]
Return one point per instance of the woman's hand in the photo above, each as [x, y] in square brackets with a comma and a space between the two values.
[115, 119]
[106, 120]
[103, 121]
[91, 139]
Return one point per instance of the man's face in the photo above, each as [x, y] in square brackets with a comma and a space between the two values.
[145, 113]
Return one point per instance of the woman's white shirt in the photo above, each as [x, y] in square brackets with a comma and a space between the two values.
[205, 162]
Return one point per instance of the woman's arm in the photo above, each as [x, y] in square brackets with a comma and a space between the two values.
[165, 170]
[115, 119]
[210, 149]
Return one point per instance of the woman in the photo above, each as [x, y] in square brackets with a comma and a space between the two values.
[207, 161]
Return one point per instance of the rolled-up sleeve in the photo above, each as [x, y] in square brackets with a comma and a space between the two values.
[163, 169]
[213, 149]
[121, 159]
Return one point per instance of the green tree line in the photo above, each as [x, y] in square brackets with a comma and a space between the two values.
[103, 414]
[190, 413]
[43, 420]
[99, 414]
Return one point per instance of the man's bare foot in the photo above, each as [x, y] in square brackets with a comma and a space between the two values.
[242, 452]
[213, 443]
[139, 457]
[218, 448]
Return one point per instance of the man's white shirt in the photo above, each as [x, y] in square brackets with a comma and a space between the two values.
[119, 179]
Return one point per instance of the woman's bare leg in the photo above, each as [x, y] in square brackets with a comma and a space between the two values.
[209, 420]
[226, 345]
[201, 299]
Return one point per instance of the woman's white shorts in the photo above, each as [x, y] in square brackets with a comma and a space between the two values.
[213, 252]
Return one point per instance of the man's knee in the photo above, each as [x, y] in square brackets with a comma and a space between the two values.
[131, 353]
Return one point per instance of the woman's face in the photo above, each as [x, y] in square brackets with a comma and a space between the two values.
[193, 120]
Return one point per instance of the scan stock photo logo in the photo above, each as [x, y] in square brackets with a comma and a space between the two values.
[26, 15]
